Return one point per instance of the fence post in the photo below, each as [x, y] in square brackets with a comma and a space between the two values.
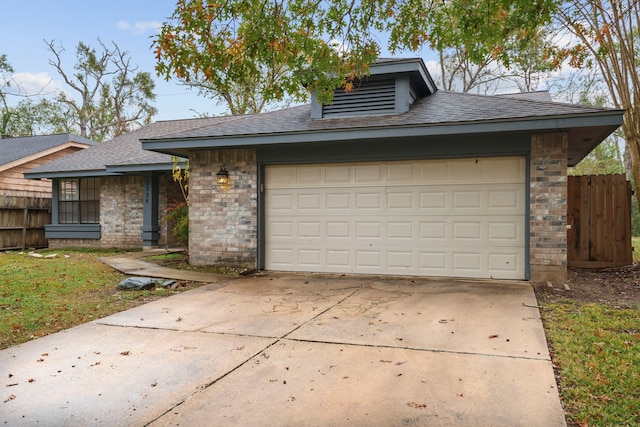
[25, 224]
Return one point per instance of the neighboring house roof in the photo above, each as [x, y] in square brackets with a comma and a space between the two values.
[121, 154]
[441, 113]
[14, 151]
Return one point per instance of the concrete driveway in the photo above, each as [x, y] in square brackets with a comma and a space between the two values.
[296, 350]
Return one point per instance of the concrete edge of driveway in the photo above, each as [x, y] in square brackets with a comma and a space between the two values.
[131, 264]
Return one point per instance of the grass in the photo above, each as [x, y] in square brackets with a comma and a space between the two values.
[635, 243]
[39, 296]
[596, 350]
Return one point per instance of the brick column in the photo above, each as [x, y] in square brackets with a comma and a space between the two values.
[223, 218]
[548, 201]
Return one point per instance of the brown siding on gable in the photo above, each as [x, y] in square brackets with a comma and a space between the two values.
[548, 204]
[223, 217]
[13, 180]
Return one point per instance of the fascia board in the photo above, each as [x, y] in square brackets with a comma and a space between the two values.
[609, 118]
[159, 167]
[69, 174]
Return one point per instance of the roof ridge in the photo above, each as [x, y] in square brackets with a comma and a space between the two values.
[534, 101]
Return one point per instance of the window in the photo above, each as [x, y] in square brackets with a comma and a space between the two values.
[79, 201]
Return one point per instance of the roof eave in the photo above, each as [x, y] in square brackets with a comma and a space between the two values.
[140, 168]
[609, 120]
[69, 174]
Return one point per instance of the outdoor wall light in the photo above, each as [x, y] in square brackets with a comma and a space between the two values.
[222, 176]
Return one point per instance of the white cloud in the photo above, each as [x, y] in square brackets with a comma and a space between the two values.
[33, 84]
[139, 27]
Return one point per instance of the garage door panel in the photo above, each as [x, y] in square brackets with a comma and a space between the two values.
[338, 230]
[467, 230]
[506, 262]
[338, 202]
[400, 200]
[338, 174]
[441, 261]
[369, 173]
[437, 217]
[505, 231]
[400, 230]
[368, 201]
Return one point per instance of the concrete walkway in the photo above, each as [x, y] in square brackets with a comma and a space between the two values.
[296, 350]
[131, 264]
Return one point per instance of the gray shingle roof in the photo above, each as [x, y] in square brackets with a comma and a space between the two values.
[12, 149]
[122, 150]
[540, 95]
[440, 108]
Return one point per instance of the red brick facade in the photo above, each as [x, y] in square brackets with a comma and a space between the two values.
[548, 204]
[223, 219]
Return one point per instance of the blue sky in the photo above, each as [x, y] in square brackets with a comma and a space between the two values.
[130, 24]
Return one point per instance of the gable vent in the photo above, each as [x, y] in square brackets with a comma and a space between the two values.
[368, 98]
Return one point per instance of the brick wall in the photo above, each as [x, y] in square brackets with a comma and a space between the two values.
[548, 215]
[121, 214]
[223, 219]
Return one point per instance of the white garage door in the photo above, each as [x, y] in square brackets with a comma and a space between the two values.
[453, 217]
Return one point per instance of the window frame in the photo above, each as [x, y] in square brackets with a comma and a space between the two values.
[79, 200]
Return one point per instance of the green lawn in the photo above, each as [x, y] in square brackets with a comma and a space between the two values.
[39, 296]
[596, 350]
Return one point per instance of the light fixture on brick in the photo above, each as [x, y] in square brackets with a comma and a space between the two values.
[222, 176]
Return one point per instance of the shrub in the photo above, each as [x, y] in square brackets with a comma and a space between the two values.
[178, 213]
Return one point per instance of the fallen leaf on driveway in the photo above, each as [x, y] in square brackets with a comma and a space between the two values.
[493, 336]
[417, 405]
[11, 397]
[125, 353]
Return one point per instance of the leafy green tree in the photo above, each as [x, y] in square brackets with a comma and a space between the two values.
[227, 41]
[605, 159]
[35, 117]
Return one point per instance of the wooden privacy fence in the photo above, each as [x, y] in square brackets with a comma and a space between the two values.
[22, 221]
[599, 219]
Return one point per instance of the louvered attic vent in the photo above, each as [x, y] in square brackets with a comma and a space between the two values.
[367, 99]
[391, 88]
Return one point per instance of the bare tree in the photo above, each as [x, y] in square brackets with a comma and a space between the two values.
[113, 97]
